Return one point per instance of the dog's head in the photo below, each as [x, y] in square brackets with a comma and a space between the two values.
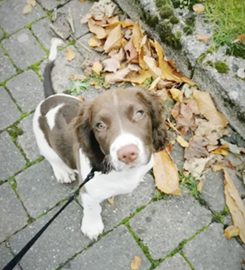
[121, 128]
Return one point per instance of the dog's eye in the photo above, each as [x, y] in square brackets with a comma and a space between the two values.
[100, 125]
[139, 115]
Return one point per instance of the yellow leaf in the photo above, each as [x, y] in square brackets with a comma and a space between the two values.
[231, 231]
[207, 108]
[198, 8]
[94, 42]
[152, 65]
[235, 204]
[138, 77]
[137, 37]
[136, 263]
[97, 67]
[203, 38]
[69, 54]
[200, 185]
[96, 29]
[182, 141]
[111, 200]
[114, 39]
[27, 9]
[221, 150]
[166, 173]
[176, 94]
[31, 2]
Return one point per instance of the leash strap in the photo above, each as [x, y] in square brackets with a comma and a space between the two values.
[23, 251]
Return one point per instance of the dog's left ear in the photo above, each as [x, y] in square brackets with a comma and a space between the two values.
[159, 130]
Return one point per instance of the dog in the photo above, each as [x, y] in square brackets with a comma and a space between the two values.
[116, 134]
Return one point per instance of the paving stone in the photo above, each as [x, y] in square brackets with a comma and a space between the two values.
[27, 90]
[178, 156]
[1, 34]
[164, 224]
[213, 190]
[211, 250]
[6, 68]
[174, 263]
[50, 5]
[39, 190]
[27, 139]
[114, 251]
[10, 159]
[6, 256]
[8, 110]
[59, 242]
[77, 10]
[17, 20]
[63, 69]
[23, 49]
[43, 32]
[12, 211]
[124, 205]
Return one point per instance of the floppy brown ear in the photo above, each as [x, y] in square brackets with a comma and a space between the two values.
[159, 130]
[87, 140]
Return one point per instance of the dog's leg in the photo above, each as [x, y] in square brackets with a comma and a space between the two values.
[92, 224]
[63, 174]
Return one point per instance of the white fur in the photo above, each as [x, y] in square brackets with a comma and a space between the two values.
[62, 172]
[104, 186]
[55, 42]
[122, 140]
[51, 115]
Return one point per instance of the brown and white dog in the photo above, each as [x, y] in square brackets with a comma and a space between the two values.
[117, 133]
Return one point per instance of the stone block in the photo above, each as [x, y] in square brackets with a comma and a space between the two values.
[6, 256]
[42, 31]
[61, 241]
[10, 159]
[27, 140]
[211, 250]
[174, 263]
[213, 190]
[50, 5]
[13, 216]
[23, 49]
[12, 18]
[6, 68]
[114, 251]
[27, 90]
[164, 224]
[39, 190]
[8, 110]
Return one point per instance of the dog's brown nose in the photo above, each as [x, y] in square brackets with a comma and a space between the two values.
[128, 154]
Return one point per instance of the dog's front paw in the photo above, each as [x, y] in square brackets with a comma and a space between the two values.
[92, 227]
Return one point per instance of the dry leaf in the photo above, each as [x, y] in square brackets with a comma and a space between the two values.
[69, 54]
[96, 29]
[131, 53]
[136, 263]
[231, 231]
[152, 65]
[138, 77]
[198, 8]
[27, 9]
[111, 64]
[196, 166]
[94, 42]
[137, 37]
[111, 200]
[221, 150]
[200, 185]
[203, 38]
[176, 94]
[240, 39]
[235, 204]
[182, 141]
[97, 67]
[120, 75]
[197, 148]
[166, 173]
[207, 108]
[114, 39]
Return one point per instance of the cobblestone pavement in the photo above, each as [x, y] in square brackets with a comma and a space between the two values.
[166, 232]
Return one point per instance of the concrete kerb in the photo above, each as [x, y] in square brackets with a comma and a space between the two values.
[227, 90]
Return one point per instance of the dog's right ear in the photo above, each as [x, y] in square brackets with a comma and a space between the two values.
[86, 139]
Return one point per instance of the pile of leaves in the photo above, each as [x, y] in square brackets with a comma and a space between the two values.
[193, 120]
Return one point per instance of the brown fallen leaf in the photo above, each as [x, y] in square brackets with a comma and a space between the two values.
[208, 109]
[152, 65]
[197, 148]
[203, 38]
[231, 231]
[166, 173]
[131, 53]
[97, 67]
[111, 64]
[198, 8]
[120, 75]
[136, 263]
[221, 150]
[30, 4]
[69, 54]
[94, 42]
[137, 37]
[196, 166]
[111, 200]
[99, 31]
[235, 204]
[182, 141]
[176, 94]
[240, 39]
[114, 39]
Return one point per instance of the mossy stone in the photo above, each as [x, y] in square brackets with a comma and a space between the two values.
[221, 67]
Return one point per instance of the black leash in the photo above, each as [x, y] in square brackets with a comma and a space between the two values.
[23, 251]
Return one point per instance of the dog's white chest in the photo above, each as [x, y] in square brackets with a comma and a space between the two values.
[103, 186]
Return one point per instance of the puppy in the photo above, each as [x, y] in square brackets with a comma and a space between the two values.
[116, 133]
